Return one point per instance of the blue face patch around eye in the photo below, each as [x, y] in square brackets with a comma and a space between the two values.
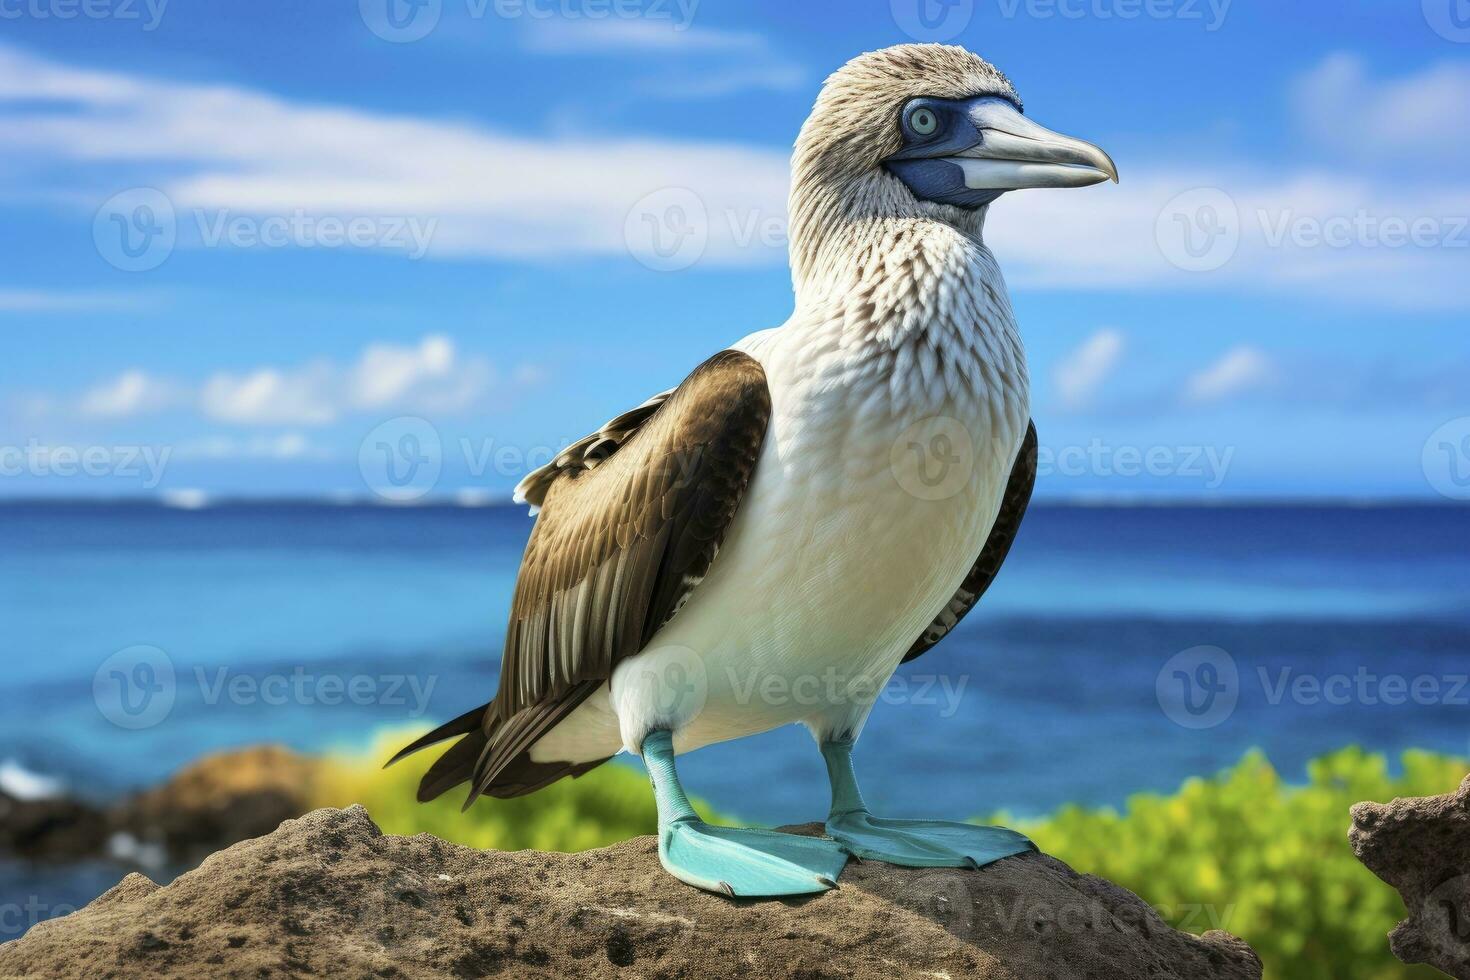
[940, 181]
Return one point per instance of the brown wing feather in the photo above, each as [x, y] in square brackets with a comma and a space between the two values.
[1002, 535]
[617, 548]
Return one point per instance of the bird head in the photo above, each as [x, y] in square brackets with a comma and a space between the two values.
[928, 131]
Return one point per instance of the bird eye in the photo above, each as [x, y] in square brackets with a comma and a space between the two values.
[923, 121]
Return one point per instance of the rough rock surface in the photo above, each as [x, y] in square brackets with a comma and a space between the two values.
[330, 895]
[1422, 848]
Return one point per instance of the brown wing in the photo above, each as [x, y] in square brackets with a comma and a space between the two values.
[1012, 510]
[618, 547]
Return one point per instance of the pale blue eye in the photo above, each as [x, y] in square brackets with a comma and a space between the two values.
[923, 121]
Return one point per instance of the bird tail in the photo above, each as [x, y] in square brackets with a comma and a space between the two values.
[458, 765]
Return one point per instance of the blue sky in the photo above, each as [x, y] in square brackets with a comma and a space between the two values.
[499, 178]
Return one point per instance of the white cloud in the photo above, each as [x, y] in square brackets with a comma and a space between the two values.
[1415, 119]
[131, 393]
[428, 377]
[499, 195]
[1082, 372]
[1240, 370]
[699, 63]
[1118, 237]
[43, 301]
[490, 193]
[272, 396]
[583, 36]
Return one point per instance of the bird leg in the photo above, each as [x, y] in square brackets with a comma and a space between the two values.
[910, 843]
[744, 863]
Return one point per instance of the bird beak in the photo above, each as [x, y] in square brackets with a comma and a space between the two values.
[1015, 153]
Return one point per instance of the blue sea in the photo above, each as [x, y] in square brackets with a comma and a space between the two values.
[1080, 678]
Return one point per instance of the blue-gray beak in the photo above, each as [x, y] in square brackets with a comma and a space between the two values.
[1015, 153]
[977, 149]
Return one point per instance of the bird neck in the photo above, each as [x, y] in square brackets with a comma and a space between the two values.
[904, 291]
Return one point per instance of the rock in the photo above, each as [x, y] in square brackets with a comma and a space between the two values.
[50, 829]
[329, 894]
[210, 804]
[219, 800]
[1422, 848]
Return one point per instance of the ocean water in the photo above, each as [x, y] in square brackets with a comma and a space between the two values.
[1079, 679]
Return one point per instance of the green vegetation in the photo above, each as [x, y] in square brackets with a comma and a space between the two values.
[1246, 853]
[609, 804]
[1241, 851]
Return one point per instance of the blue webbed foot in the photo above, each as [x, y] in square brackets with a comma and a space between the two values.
[924, 843]
[748, 863]
[910, 843]
[729, 860]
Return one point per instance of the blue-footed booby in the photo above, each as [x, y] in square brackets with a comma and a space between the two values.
[810, 507]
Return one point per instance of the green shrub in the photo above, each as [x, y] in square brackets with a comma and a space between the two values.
[609, 804]
[1244, 852]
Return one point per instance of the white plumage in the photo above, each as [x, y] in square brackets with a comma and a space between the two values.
[832, 565]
